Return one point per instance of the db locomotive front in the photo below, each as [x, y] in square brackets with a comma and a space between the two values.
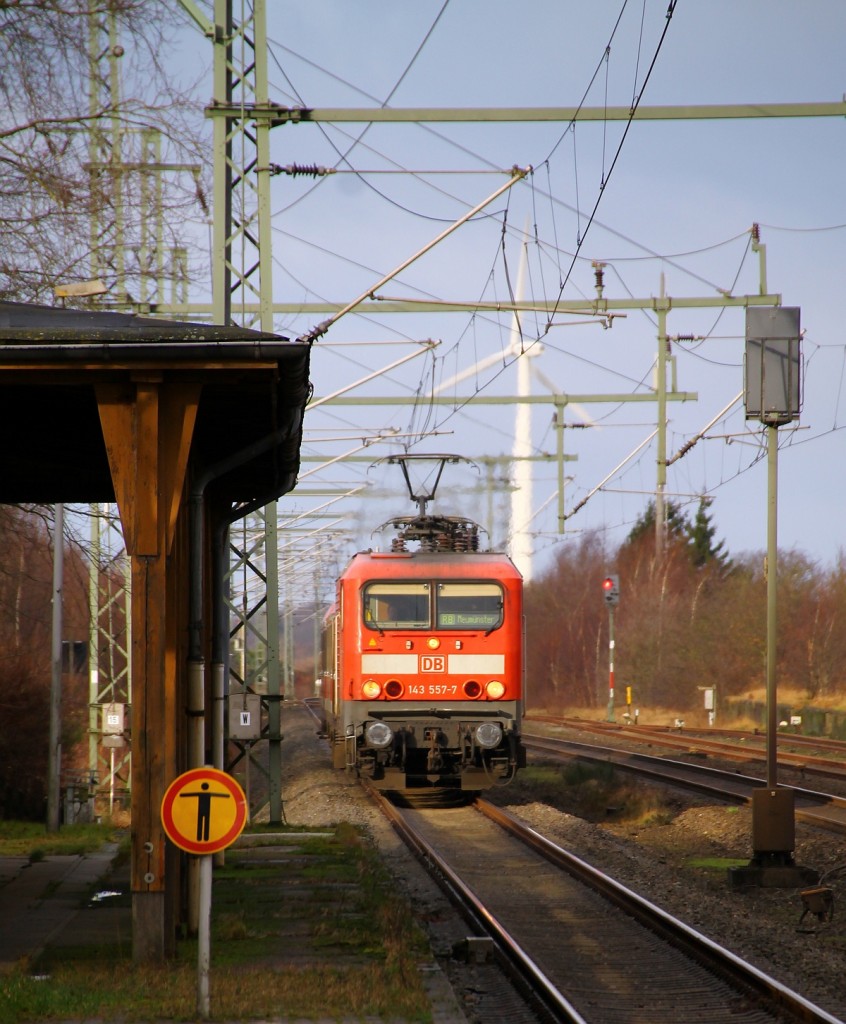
[422, 675]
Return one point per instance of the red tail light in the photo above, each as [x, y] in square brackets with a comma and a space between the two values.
[394, 689]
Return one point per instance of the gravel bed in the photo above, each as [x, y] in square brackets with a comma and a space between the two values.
[761, 925]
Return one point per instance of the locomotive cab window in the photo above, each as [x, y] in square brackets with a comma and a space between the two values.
[397, 606]
[469, 605]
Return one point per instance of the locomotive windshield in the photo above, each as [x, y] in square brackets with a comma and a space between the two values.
[469, 605]
[397, 605]
[456, 606]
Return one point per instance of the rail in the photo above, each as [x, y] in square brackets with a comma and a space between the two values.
[812, 806]
[772, 1000]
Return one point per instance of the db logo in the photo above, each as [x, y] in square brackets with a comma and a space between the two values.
[432, 663]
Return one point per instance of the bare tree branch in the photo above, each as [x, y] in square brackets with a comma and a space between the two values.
[90, 123]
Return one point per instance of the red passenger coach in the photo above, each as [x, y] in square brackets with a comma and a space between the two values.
[423, 661]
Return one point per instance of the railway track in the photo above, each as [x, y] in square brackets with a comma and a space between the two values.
[586, 948]
[785, 738]
[741, 746]
[817, 808]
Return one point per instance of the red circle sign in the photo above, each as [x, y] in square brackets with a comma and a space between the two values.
[204, 810]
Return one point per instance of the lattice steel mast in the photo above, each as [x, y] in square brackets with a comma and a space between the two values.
[109, 676]
[242, 281]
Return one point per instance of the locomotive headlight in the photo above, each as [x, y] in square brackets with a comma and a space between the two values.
[495, 689]
[488, 734]
[378, 734]
[370, 689]
[433, 643]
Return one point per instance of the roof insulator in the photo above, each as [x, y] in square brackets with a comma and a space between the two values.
[300, 170]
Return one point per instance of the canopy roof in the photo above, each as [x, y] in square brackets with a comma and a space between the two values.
[58, 367]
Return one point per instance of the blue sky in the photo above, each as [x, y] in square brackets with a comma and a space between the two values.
[678, 200]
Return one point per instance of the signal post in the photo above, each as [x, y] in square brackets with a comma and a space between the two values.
[772, 396]
[611, 593]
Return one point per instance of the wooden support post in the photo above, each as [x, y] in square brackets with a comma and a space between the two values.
[147, 425]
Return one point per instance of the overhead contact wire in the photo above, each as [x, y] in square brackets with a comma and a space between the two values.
[635, 105]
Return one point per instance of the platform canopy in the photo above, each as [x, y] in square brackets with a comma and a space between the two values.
[186, 427]
[60, 368]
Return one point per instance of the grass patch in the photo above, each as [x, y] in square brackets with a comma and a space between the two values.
[308, 929]
[715, 864]
[144, 994]
[31, 839]
[595, 792]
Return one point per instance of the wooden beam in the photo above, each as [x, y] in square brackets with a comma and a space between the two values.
[115, 403]
[178, 418]
[150, 756]
[147, 430]
[146, 469]
[148, 423]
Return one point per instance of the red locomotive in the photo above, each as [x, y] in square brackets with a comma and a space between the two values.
[423, 658]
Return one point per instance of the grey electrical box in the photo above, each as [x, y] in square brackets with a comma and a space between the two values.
[773, 821]
[113, 719]
[773, 361]
[113, 725]
[244, 716]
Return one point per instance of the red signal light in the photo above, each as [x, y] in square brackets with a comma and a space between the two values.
[611, 589]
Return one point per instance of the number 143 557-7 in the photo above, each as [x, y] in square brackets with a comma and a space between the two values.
[433, 689]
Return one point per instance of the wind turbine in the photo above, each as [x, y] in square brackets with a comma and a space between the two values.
[522, 495]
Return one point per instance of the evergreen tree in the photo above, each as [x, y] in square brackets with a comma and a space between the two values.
[698, 536]
[701, 535]
[677, 524]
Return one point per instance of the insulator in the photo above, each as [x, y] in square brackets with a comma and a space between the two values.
[201, 198]
[470, 538]
[303, 170]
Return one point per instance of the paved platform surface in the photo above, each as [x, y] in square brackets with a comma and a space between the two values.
[47, 902]
[43, 902]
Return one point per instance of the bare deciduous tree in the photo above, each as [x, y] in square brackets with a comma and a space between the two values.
[683, 624]
[25, 665]
[89, 122]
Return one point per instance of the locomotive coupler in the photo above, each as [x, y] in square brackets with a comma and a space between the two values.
[434, 758]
